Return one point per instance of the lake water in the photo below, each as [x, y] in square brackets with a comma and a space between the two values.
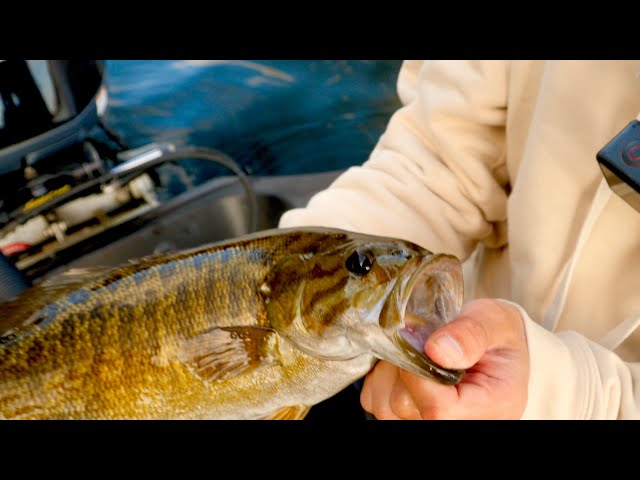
[272, 116]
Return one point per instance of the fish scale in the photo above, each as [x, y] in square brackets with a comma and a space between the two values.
[262, 326]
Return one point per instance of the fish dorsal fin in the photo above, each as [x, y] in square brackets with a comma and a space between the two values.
[223, 353]
[75, 278]
[78, 277]
[57, 285]
[20, 311]
[293, 412]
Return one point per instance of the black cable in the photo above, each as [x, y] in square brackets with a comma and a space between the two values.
[226, 161]
[112, 135]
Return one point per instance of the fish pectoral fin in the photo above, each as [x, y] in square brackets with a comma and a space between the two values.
[222, 353]
[294, 412]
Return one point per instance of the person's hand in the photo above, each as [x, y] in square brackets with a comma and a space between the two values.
[488, 339]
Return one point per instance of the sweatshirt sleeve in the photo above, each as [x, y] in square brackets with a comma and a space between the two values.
[437, 175]
[572, 377]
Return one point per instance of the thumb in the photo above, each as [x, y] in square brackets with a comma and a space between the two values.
[481, 325]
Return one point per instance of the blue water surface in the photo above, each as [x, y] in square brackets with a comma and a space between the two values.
[274, 117]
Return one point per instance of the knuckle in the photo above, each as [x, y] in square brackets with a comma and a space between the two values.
[476, 330]
[471, 334]
[383, 413]
[401, 404]
[433, 412]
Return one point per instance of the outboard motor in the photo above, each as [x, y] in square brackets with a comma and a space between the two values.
[70, 186]
[47, 107]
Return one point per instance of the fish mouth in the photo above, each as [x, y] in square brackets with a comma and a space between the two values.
[418, 305]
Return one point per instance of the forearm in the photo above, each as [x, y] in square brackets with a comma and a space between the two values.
[436, 176]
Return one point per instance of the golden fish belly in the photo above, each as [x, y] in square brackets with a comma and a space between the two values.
[155, 384]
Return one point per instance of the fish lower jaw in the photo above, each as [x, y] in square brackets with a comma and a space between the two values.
[429, 299]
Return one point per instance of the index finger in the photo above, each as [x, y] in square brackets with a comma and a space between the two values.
[433, 399]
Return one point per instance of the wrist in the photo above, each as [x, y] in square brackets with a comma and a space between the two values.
[555, 384]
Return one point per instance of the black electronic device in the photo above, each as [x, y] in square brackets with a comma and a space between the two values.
[619, 161]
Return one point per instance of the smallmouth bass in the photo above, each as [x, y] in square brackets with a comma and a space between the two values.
[262, 326]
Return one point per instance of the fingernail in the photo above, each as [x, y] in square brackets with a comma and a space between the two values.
[449, 350]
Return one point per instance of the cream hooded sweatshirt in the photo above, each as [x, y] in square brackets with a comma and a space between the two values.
[495, 162]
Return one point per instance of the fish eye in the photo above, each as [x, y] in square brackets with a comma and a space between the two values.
[360, 262]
